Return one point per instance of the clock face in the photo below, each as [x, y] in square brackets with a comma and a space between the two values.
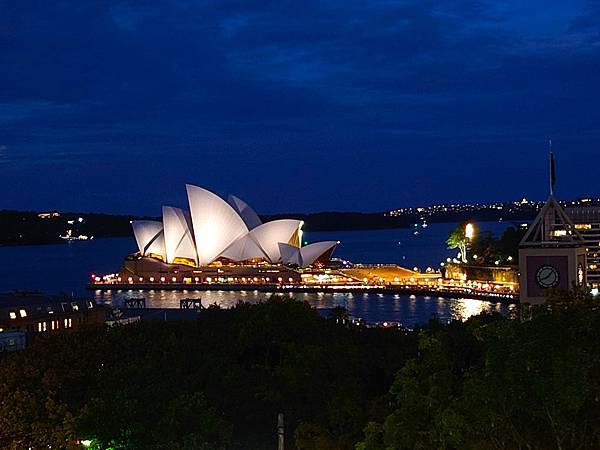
[547, 277]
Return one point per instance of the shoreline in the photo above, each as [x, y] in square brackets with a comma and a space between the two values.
[400, 290]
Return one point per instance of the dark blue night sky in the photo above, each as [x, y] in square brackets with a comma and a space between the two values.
[296, 106]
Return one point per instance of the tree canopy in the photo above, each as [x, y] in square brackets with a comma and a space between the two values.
[493, 382]
[484, 248]
[216, 383]
[498, 383]
[458, 239]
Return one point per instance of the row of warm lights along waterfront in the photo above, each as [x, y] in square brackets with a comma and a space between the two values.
[115, 279]
[359, 277]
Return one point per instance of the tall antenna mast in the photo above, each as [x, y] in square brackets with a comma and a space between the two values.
[552, 177]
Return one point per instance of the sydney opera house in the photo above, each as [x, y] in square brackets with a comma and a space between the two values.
[220, 240]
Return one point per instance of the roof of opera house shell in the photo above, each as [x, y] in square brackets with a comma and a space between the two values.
[214, 228]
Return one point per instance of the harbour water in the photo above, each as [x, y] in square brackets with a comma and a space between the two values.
[68, 267]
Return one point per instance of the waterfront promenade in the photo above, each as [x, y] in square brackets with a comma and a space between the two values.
[390, 279]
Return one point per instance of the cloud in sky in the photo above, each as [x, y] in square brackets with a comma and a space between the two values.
[113, 106]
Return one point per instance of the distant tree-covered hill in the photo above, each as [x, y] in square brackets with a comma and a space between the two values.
[30, 227]
[339, 221]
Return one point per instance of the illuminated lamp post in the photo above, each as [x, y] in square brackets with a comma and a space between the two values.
[469, 234]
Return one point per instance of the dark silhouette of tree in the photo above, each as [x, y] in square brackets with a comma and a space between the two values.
[216, 383]
[500, 383]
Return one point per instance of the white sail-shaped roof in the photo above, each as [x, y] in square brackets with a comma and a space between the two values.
[310, 253]
[149, 237]
[270, 234]
[216, 224]
[262, 241]
[247, 214]
[290, 254]
[307, 255]
[243, 249]
[179, 240]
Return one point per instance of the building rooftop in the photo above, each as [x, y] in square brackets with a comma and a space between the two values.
[18, 305]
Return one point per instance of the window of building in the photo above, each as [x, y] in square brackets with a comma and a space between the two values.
[12, 315]
[45, 327]
[22, 313]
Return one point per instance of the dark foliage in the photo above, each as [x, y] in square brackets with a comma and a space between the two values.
[488, 249]
[217, 383]
[496, 383]
[529, 381]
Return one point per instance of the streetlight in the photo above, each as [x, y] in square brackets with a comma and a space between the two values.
[469, 231]
[469, 234]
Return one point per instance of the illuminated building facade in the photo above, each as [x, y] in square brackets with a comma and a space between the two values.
[587, 223]
[39, 313]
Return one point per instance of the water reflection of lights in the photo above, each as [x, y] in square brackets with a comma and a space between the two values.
[464, 308]
[408, 310]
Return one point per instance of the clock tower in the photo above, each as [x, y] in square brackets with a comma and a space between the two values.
[551, 255]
